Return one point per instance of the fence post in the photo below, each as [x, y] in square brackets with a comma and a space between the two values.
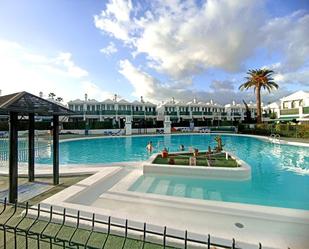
[164, 238]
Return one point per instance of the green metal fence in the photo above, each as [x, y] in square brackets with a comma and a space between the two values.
[20, 229]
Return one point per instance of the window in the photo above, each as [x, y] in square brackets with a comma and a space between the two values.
[301, 103]
[285, 105]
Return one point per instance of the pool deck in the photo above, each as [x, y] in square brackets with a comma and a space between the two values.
[273, 227]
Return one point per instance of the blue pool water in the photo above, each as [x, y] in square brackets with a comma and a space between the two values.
[280, 173]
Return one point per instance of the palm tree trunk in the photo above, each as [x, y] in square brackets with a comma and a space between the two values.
[258, 105]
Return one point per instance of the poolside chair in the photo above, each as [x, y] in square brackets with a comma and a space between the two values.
[117, 133]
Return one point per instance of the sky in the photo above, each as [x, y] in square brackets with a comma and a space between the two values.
[157, 49]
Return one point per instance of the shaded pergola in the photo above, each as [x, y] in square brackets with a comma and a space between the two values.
[26, 104]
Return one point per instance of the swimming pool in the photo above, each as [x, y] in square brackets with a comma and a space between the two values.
[280, 173]
[280, 176]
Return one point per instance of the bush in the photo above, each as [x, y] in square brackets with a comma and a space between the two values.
[24, 125]
[80, 125]
[284, 130]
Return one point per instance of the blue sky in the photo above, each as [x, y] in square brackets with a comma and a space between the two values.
[158, 49]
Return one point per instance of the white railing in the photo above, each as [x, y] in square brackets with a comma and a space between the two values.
[274, 138]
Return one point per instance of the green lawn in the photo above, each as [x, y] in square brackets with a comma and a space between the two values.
[218, 160]
[62, 234]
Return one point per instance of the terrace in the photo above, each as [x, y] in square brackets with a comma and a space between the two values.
[293, 111]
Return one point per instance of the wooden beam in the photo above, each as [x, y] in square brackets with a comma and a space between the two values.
[13, 158]
[31, 152]
[56, 149]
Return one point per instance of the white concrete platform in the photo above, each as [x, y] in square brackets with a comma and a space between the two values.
[106, 193]
[243, 172]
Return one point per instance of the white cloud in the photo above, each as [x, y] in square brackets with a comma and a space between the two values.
[300, 77]
[65, 60]
[115, 19]
[109, 49]
[181, 39]
[152, 89]
[289, 35]
[25, 70]
[143, 83]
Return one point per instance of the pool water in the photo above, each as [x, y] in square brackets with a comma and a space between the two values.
[280, 173]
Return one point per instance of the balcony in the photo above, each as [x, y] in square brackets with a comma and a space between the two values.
[138, 113]
[306, 110]
[236, 114]
[124, 112]
[151, 113]
[108, 112]
[93, 112]
[294, 111]
[184, 113]
[170, 113]
[207, 113]
[223, 113]
[195, 113]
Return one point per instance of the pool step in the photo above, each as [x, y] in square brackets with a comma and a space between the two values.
[146, 184]
[90, 194]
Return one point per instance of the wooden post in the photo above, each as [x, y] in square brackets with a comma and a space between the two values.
[31, 154]
[56, 149]
[13, 158]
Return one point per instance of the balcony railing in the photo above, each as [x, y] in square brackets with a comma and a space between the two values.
[138, 113]
[184, 113]
[170, 113]
[93, 112]
[223, 113]
[289, 111]
[236, 114]
[207, 113]
[306, 110]
[151, 113]
[108, 112]
[124, 112]
[197, 113]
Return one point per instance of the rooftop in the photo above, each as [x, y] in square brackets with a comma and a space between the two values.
[25, 103]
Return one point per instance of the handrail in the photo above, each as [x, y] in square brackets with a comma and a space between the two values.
[274, 138]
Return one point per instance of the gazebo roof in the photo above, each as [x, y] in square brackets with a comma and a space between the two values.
[25, 103]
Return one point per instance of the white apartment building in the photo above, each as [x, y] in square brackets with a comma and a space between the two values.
[237, 112]
[192, 110]
[292, 107]
[91, 109]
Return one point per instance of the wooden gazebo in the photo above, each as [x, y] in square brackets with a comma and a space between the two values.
[25, 104]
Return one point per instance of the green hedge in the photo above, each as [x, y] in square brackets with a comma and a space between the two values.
[23, 125]
[81, 125]
[285, 130]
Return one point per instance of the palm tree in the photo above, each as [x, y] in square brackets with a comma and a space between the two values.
[259, 79]
[51, 95]
[59, 99]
